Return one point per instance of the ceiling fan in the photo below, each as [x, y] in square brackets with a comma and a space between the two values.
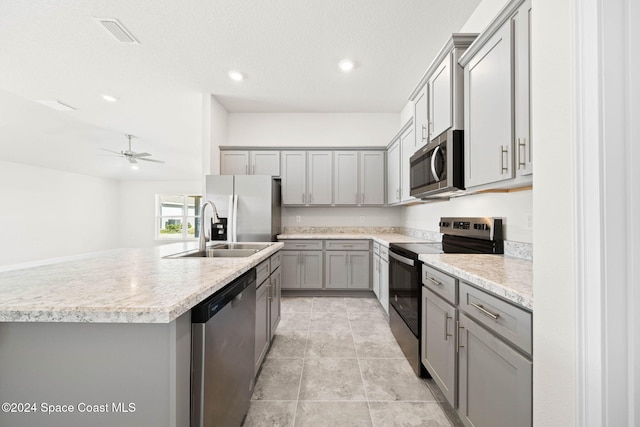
[132, 156]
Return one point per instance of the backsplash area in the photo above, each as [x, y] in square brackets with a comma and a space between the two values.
[341, 230]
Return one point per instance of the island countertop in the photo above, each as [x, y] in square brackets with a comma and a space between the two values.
[119, 286]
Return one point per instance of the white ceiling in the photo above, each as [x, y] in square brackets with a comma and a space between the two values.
[288, 49]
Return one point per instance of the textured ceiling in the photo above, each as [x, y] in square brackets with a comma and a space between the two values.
[288, 49]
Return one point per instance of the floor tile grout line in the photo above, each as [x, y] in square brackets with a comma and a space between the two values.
[364, 387]
[304, 353]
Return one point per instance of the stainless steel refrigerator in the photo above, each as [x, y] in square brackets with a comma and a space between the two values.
[250, 203]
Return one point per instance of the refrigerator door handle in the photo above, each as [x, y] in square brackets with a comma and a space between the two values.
[234, 236]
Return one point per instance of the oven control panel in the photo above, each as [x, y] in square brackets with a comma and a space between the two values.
[486, 228]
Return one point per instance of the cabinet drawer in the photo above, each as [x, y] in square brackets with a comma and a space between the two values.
[376, 248]
[275, 261]
[506, 320]
[440, 283]
[347, 245]
[303, 245]
[262, 272]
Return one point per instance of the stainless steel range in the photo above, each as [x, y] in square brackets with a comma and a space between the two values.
[481, 235]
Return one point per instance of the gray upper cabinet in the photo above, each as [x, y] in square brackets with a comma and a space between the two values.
[234, 162]
[393, 173]
[440, 99]
[294, 177]
[345, 190]
[407, 149]
[372, 177]
[319, 182]
[359, 178]
[522, 85]
[497, 139]
[250, 162]
[420, 118]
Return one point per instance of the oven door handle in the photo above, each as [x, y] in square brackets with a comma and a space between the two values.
[433, 164]
[402, 259]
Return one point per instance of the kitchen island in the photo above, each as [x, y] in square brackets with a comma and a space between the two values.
[105, 339]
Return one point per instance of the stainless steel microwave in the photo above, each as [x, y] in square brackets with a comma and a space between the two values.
[437, 169]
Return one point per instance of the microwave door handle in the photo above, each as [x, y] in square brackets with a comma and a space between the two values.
[433, 164]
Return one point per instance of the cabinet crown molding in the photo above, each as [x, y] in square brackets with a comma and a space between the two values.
[300, 148]
[457, 40]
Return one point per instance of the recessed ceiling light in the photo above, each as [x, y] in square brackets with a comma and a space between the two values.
[134, 167]
[236, 75]
[109, 98]
[55, 104]
[347, 65]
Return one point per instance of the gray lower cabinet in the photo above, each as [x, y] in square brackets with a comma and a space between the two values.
[267, 305]
[347, 264]
[495, 381]
[301, 264]
[384, 278]
[478, 349]
[439, 342]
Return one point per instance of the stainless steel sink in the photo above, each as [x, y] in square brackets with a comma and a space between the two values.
[225, 250]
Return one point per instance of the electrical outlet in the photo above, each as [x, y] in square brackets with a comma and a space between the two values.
[298, 218]
[528, 221]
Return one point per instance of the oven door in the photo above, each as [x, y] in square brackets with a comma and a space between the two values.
[404, 290]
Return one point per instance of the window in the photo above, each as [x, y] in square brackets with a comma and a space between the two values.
[177, 217]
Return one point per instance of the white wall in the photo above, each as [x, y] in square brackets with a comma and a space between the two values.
[554, 282]
[311, 129]
[47, 213]
[136, 221]
[515, 207]
[486, 11]
[218, 121]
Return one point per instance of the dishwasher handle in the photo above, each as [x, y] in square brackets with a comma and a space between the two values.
[231, 293]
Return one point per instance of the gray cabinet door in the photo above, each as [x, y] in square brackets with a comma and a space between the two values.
[421, 119]
[440, 102]
[265, 163]
[359, 269]
[376, 276]
[372, 178]
[345, 191]
[311, 269]
[488, 145]
[336, 269]
[384, 284]
[276, 298]
[320, 178]
[294, 177]
[393, 173]
[234, 163]
[522, 38]
[439, 343]
[495, 381]
[290, 269]
[263, 326]
[407, 149]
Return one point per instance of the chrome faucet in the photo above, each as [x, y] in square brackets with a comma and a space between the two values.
[203, 238]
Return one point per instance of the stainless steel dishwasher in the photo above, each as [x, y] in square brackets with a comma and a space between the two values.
[222, 365]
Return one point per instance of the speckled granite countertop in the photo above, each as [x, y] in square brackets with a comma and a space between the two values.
[119, 286]
[382, 238]
[507, 277]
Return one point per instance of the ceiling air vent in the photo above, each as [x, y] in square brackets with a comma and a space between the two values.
[117, 30]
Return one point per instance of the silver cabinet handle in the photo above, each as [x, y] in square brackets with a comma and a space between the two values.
[504, 165]
[253, 169]
[304, 200]
[446, 326]
[347, 246]
[424, 133]
[522, 158]
[310, 198]
[434, 281]
[485, 311]
[246, 169]
[459, 346]
[301, 246]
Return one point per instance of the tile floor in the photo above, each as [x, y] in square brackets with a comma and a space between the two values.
[334, 362]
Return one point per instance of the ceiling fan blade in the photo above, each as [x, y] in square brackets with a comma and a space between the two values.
[140, 155]
[131, 160]
[119, 153]
[151, 160]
